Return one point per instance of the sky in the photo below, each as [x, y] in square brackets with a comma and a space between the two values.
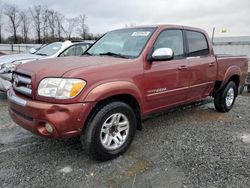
[105, 15]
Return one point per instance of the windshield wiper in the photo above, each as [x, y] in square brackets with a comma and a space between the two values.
[87, 53]
[41, 54]
[114, 54]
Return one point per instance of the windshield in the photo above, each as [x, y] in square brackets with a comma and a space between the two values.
[49, 49]
[126, 43]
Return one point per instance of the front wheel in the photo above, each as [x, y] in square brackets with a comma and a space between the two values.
[225, 98]
[110, 132]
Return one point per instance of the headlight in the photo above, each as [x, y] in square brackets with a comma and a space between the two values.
[9, 67]
[60, 88]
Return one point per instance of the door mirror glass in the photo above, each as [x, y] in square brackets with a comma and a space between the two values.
[163, 54]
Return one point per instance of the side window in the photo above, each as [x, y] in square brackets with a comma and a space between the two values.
[81, 48]
[171, 39]
[69, 52]
[75, 50]
[197, 44]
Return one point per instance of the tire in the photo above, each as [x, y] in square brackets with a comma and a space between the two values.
[104, 137]
[225, 98]
[248, 89]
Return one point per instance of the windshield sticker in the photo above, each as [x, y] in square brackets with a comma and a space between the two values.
[55, 48]
[140, 34]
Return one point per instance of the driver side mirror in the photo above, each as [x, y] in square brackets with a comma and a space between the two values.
[32, 50]
[162, 54]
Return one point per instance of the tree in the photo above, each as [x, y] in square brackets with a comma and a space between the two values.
[70, 26]
[59, 21]
[82, 27]
[18, 38]
[36, 13]
[51, 25]
[24, 25]
[51, 19]
[45, 24]
[48, 25]
[12, 12]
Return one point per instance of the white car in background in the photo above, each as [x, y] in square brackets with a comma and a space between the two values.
[8, 63]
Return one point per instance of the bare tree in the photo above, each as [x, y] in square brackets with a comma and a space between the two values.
[36, 13]
[24, 25]
[45, 24]
[59, 21]
[82, 27]
[12, 12]
[51, 19]
[70, 26]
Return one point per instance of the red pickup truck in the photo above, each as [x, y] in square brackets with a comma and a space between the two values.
[126, 75]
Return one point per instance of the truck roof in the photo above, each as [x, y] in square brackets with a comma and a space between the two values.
[163, 26]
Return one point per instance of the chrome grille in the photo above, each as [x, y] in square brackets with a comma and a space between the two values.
[22, 84]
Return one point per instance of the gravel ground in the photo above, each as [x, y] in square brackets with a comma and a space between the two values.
[191, 146]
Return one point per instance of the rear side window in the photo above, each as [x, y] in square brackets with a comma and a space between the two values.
[197, 44]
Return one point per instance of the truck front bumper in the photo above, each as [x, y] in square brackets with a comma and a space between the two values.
[65, 120]
[5, 81]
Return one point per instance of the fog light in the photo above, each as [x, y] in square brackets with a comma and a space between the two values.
[48, 127]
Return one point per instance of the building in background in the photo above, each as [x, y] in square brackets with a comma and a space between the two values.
[233, 46]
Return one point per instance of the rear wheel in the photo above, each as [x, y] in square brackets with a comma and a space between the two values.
[248, 89]
[110, 132]
[225, 98]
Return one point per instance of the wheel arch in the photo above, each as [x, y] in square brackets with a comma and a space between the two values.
[123, 91]
[233, 73]
[113, 88]
[220, 84]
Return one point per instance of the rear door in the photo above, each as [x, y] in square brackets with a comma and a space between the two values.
[202, 65]
[166, 82]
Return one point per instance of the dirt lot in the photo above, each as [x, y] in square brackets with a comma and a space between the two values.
[192, 146]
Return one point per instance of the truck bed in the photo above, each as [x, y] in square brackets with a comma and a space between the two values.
[231, 56]
[224, 62]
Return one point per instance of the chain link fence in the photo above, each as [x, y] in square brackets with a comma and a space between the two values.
[17, 48]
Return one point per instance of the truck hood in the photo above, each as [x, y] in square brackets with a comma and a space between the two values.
[18, 57]
[57, 67]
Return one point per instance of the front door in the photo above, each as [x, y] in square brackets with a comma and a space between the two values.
[166, 82]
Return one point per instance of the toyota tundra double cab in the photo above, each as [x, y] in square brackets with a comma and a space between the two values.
[126, 75]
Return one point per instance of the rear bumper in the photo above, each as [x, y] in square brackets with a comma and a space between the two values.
[67, 120]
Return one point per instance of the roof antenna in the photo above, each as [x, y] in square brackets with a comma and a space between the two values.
[213, 35]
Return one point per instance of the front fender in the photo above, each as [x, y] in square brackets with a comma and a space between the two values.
[113, 88]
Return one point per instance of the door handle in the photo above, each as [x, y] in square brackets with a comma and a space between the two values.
[183, 67]
[211, 64]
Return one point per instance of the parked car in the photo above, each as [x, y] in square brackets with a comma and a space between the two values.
[34, 49]
[57, 49]
[126, 75]
[248, 83]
